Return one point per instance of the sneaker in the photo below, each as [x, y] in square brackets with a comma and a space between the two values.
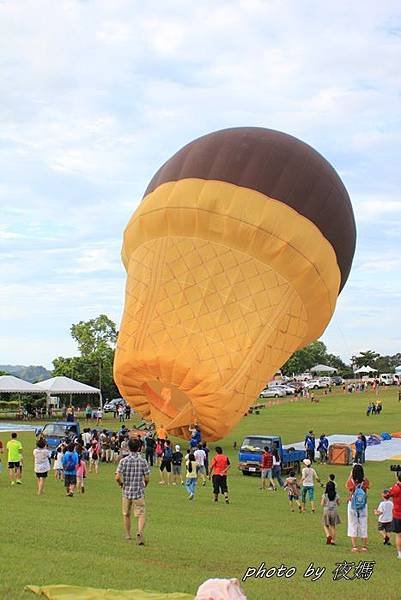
[13, 483]
[19, 481]
[227, 501]
[191, 497]
[139, 539]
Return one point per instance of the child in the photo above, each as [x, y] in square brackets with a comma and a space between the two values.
[191, 475]
[81, 474]
[58, 463]
[385, 513]
[330, 501]
[293, 491]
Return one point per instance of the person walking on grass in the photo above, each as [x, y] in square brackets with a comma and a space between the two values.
[81, 474]
[41, 457]
[218, 472]
[276, 469]
[191, 475]
[14, 449]
[267, 469]
[167, 458]
[132, 475]
[70, 462]
[200, 457]
[385, 513]
[58, 463]
[330, 501]
[322, 448]
[293, 492]
[395, 495]
[308, 484]
[357, 510]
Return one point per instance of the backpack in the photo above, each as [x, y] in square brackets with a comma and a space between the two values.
[168, 453]
[69, 464]
[358, 500]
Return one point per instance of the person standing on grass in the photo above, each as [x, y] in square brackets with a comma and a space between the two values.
[218, 471]
[58, 462]
[395, 495]
[310, 445]
[94, 454]
[41, 457]
[365, 443]
[70, 462]
[191, 475]
[358, 450]
[267, 469]
[200, 457]
[323, 447]
[385, 513]
[276, 469]
[206, 451]
[132, 475]
[357, 511]
[330, 501]
[308, 484]
[150, 444]
[14, 449]
[293, 492]
[176, 464]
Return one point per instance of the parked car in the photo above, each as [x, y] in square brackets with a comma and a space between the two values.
[316, 384]
[276, 392]
[113, 404]
[337, 380]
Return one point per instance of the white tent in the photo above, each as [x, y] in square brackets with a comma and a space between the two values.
[322, 369]
[366, 369]
[398, 370]
[13, 385]
[56, 386]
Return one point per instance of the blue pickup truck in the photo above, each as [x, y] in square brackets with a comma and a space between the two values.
[250, 453]
[57, 432]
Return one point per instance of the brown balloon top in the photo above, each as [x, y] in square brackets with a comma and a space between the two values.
[279, 166]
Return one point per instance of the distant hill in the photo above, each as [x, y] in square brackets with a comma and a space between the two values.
[32, 373]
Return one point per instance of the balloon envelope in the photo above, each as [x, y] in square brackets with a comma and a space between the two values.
[235, 258]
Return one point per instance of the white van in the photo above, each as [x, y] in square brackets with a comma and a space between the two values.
[386, 378]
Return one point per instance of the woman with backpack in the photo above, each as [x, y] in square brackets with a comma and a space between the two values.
[357, 486]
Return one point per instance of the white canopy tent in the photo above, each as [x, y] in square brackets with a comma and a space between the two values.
[56, 386]
[323, 369]
[398, 370]
[13, 385]
[366, 369]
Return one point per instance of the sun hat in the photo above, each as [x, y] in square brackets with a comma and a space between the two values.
[306, 462]
[177, 448]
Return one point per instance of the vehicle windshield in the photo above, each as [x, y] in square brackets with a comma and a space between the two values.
[257, 444]
[56, 430]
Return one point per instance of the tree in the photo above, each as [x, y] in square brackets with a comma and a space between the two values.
[367, 358]
[96, 341]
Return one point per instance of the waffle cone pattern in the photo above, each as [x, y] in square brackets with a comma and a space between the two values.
[233, 263]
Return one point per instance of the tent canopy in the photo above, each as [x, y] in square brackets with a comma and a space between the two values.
[13, 385]
[366, 369]
[65, 385]
[323, 369]
[398, 369]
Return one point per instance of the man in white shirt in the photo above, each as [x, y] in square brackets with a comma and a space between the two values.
[200, 458]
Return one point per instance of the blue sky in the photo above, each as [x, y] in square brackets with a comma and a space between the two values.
[95, 95]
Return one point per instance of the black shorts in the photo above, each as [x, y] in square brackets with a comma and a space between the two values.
[70, 480]
[396, 526]
[219, 484]
[387, 527]
[39, 475]
[166, 464]
[14, 465]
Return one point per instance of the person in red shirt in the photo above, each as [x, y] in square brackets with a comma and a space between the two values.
[218, 471]
[267, 469]
[395, 495]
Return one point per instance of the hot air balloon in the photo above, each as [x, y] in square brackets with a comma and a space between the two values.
[234, 258]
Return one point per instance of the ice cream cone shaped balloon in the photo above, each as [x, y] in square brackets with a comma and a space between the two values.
[235, 258]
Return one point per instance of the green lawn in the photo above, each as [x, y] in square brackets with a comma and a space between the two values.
[54, 539]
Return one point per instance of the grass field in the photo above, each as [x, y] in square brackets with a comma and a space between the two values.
[54, 539]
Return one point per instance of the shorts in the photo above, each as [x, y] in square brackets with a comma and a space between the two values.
[387, 527]
[14, 465]
[219, 484]
[200, 470]
[41, 475]
[266, 473]
[166, 464]
[308, 491]
[176, 469]
[396, 525]
[70, 480]
[138, 504]
[292, 497]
